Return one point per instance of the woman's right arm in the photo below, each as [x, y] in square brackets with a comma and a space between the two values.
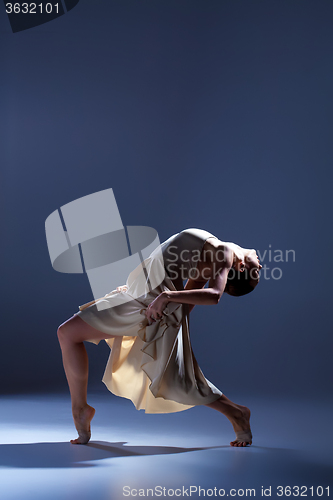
[194, 296]
[205, 296]
[194, 285]
[194, 292]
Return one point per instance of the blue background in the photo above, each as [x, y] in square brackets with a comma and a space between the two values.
[198, 113]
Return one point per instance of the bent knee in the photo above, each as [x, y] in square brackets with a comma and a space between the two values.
[61, 332]
[65, 331]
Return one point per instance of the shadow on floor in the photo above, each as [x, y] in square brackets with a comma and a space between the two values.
[277, 465]
[50, 455]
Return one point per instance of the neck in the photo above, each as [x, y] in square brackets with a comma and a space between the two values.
[240, 253]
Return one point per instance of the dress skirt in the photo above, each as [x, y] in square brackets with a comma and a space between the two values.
[152, 365]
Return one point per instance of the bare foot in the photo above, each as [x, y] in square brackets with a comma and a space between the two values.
[241, 425]
[82, 419]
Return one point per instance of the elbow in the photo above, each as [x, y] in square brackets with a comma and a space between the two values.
[216, 297]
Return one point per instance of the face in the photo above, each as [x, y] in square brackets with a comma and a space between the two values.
[250, 268]
[253, 266]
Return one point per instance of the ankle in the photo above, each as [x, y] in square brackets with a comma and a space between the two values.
[234, 411]
[77, 408]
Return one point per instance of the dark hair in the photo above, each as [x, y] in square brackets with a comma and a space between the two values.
[239, 283]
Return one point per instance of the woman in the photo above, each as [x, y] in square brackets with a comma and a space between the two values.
[151, 360]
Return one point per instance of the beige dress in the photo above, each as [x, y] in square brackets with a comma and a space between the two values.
[153, 365]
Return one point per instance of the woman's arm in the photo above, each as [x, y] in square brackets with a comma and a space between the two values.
[206, 296]
[194, 285]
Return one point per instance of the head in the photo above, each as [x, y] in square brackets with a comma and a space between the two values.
[243, 277]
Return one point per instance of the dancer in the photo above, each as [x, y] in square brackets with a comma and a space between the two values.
[151, 360]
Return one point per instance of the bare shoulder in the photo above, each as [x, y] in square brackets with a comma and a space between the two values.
[215, 250]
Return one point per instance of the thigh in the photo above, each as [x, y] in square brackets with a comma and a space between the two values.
[77, 330]
[119, 315]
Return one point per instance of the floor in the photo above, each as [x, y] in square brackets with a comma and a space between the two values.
[184, 454]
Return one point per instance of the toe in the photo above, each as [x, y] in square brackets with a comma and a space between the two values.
[240, 443]
[80, 440]
[75, 441]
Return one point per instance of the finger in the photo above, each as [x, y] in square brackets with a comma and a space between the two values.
[150, 317]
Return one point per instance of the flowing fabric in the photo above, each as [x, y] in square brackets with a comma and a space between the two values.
[152, 365]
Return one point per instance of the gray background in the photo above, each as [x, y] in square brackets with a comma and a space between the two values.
[198, 113]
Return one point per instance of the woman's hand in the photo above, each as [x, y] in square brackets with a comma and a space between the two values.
[154, 311]
[122, 288]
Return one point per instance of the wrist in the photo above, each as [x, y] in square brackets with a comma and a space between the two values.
[165, 297]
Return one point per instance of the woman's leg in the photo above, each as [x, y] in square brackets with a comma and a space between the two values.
[238, 415]
[71, 336]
